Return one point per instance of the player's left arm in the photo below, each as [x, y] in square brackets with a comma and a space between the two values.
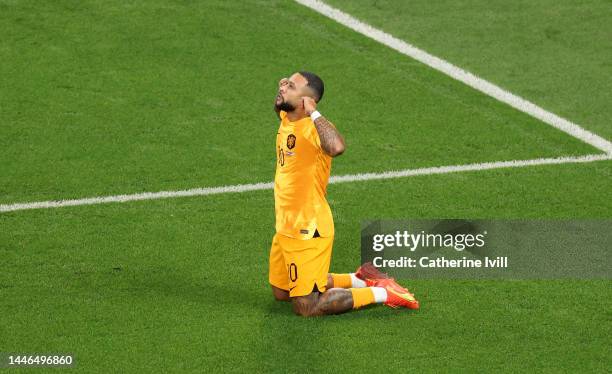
[332, 142]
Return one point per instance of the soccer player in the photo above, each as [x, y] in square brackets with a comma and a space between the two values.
[301, 249]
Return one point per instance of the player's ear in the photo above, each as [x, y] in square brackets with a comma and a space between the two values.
[310, 93]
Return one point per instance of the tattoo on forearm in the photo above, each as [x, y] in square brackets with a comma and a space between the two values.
[331, 140]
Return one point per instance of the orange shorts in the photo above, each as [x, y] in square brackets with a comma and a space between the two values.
[298, 265]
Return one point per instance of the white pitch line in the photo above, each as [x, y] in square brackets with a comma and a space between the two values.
[459, 74]
[270, 185]
[469, 167]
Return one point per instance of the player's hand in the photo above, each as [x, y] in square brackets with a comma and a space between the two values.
[309, 104]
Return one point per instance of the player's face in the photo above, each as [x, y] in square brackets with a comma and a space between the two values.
[290, 92]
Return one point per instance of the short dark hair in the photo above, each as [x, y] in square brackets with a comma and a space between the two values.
[315, 83]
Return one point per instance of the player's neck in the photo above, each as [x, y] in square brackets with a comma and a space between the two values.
[296, 115]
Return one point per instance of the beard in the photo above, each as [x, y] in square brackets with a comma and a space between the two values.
[284, 106]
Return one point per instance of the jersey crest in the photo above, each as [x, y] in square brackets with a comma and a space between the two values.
[291, 141]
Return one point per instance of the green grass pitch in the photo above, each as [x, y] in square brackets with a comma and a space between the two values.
[104, 98]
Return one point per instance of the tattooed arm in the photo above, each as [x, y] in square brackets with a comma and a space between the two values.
[331, 140]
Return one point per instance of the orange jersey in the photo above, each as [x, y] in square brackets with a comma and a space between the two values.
[300, 183]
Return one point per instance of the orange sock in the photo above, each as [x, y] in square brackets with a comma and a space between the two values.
[362, 297]
[342, 280]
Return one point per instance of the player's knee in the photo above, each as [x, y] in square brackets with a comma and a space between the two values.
[305, 312]
[278, 297]
[280, 294]
[305, 306]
